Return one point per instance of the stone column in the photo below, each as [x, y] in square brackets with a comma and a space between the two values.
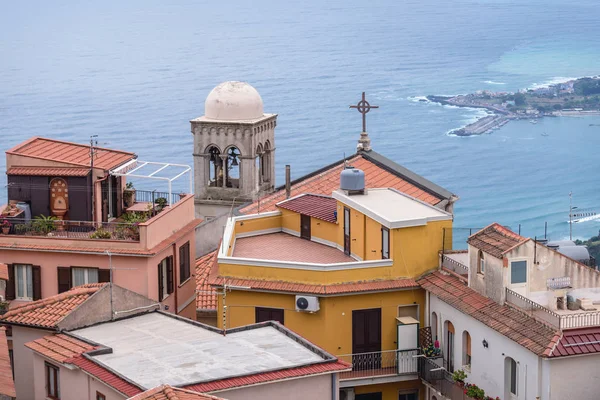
[247, 181]
[224, 169]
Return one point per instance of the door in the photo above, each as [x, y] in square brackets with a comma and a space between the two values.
[518, 277]
[366, 339]
[347, 231]
[450, 348]
[305, 226]
[368, 396]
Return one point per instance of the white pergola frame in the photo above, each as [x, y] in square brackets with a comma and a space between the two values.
[128, 170]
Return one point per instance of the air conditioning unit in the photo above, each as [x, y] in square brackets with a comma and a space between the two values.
[347, 394]
[307, 303]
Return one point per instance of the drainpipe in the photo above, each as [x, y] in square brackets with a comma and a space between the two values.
[175, 281]
[288, 182]
[334, 391]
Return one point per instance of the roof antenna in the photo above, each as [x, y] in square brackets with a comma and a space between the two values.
[345, 161]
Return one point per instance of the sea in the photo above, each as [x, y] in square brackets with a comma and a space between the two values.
[135, 72]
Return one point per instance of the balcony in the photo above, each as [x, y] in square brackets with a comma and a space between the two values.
[66, 229]
[383, 366]
[457, 262]
[440, 380]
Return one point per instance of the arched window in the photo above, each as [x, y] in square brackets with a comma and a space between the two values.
[232, 167]
[511, 375]
[266, 168]
[260, 163]
[466, 339]
[215, 166]
[434, 327]
[480, 263]
[449, 336]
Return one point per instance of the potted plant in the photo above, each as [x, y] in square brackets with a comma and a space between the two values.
[44, 224]
[182, 195]
[101, 233]
[129, 195]
[432, 351]
[459, 377]
[474, 391]
[161, 202]
[3, 307]
[5, 224]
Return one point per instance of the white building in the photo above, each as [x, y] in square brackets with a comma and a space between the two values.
[514, 322]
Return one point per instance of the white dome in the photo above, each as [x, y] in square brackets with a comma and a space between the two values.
[233, 101]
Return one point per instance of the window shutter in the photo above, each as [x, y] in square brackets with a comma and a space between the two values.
[160, 282]
[64, 279]
[36, 276]
[103, 275]
[184, 262]
[10, 285]
[170, 276]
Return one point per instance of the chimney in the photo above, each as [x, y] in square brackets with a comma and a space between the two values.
[288, 182]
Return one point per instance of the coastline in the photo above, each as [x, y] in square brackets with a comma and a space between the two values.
[546, 101]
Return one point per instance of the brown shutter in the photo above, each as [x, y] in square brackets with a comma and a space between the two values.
[160, 282]
[184, 262]
[36, 277]
[170, 288]
[10, 285]
[64, 279]
[103, 275]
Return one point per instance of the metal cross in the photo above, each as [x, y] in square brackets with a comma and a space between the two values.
[364, 107]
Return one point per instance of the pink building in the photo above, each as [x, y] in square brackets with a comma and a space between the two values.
[80, 345]
[72, 220]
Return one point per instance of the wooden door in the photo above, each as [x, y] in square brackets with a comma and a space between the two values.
[347, 230]
[368, 396]
[366, 339]
[305, 227]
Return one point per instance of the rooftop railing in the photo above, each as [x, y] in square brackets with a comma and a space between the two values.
[454, 265]
[380, 364]
[66, 229]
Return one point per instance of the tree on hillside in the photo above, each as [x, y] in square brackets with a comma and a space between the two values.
[519, 99]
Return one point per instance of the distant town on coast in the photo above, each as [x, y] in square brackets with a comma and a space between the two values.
[574, 97]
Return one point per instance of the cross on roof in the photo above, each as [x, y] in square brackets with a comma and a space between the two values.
[364, 107]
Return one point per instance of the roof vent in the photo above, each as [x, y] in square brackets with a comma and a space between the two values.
[352, 180]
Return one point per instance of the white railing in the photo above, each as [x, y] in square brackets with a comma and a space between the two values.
[559, 283]
[453, 265]
[380, 363]
[580, 320]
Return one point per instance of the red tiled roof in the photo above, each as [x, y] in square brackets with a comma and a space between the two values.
[317, 206]
[7, 385]
[96, 250]
[48, 312]
[60, 348]
[113, 380]
[3, 272]
[328, 180]
[70, 153]
[329, 367]
[166, 392]
[515, 325]
[495, 240]
[48, 171]
[578, 341]
[330, 289]
[206, 299]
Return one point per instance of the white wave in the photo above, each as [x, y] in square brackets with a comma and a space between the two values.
[418, 99]
[553, 81]
[494, 83]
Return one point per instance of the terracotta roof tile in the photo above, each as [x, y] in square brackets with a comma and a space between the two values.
[324, 182]
[3, 272]
[329, 289]
[166, 392]
[206, 298]
[7, 385]
[577, 342]
[70, 153]
[329, 367]
[47, 171]
[495, 240]
[48, 312]
[111, 379]
[515, 325]
[60, 348]
[316, 206]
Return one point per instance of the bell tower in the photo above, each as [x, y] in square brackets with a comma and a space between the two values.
[234, 149]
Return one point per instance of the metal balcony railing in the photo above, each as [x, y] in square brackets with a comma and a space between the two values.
[440, 380]
[380, 363]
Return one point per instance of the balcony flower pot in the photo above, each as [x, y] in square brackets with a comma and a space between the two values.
[5, 230]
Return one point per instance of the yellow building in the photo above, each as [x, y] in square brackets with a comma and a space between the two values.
[340, 271]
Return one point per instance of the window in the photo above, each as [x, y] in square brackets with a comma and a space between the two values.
[481, 263]
[165, 278]
[52, 382]
[511, 374]
[263, 314]
[408, 396]
[184, 263]
[466, 349]
[518, 272]
[450, 346]
[100, 396]
[11, 356]
[385, 243]
[434, 326]
[82, 275]
[24, 281]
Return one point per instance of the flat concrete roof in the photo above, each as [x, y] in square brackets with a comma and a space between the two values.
[392, 208]
[155, 349]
